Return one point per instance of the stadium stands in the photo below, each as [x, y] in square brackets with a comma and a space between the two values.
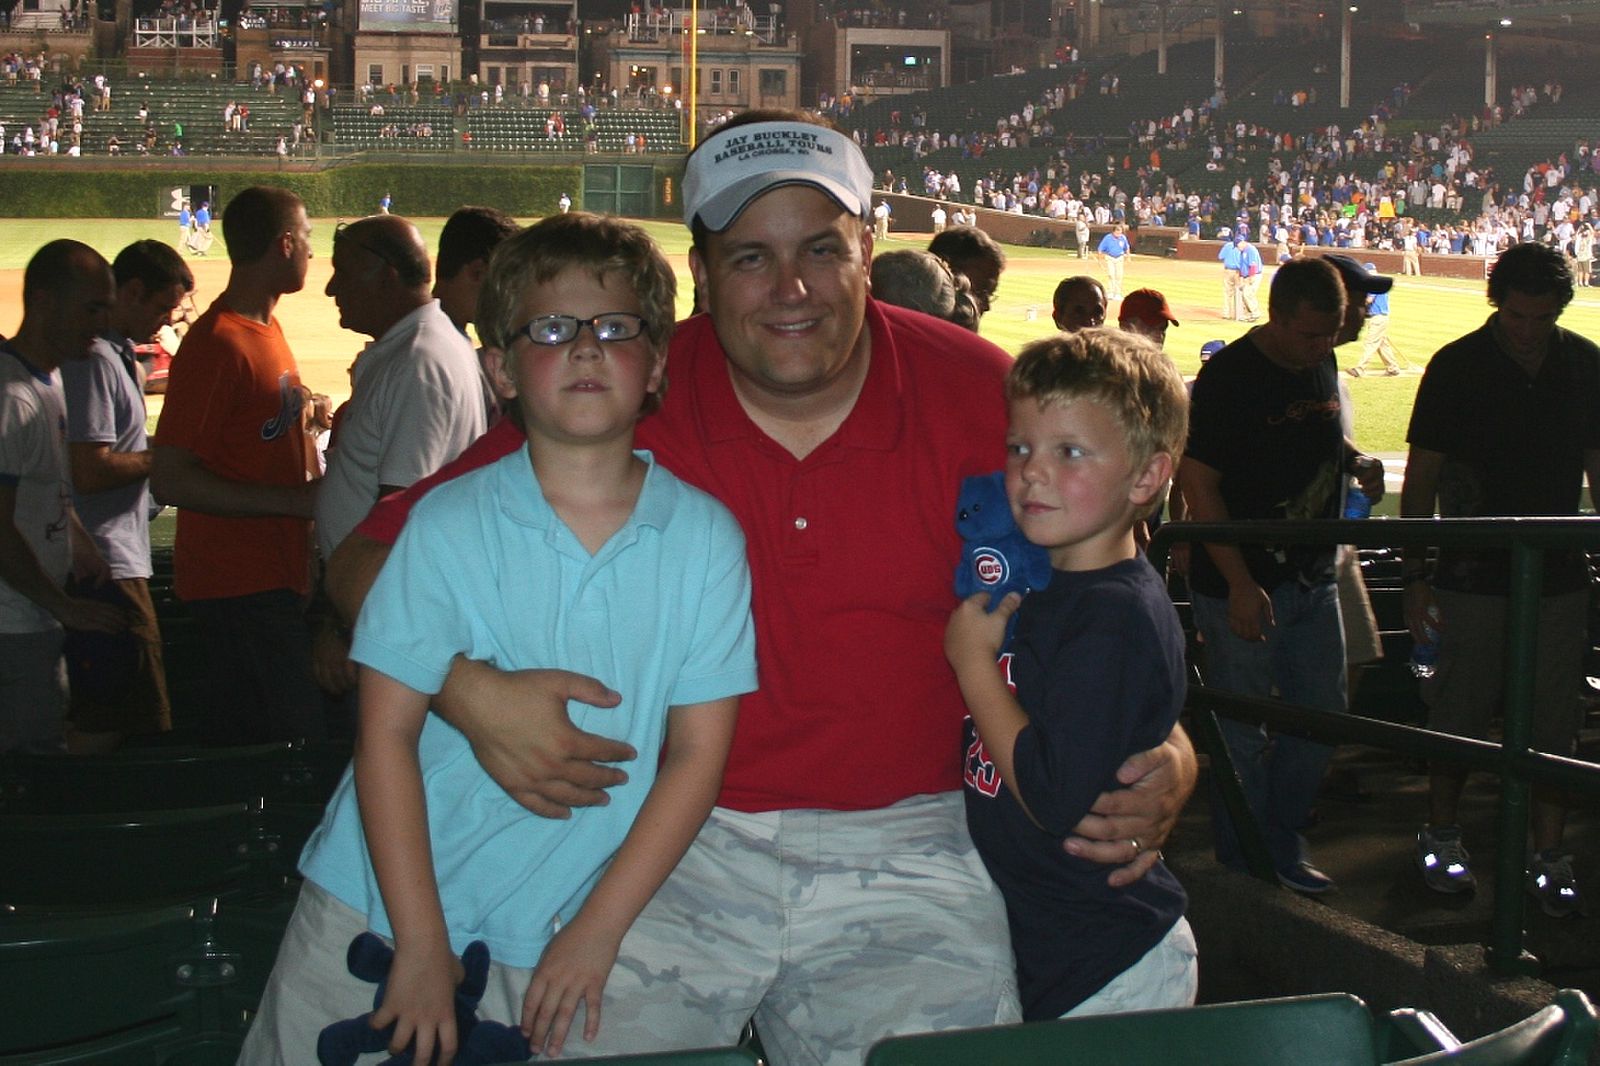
[197, 106]
[409, 129]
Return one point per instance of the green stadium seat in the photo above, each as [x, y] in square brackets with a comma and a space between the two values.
[172, 985]
[159, 778]
[1333, 1029]
[110, 987]
[1562, 1034]
[722, 1056]
[147, 857]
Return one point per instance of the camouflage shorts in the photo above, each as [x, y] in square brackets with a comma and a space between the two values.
[833, 929]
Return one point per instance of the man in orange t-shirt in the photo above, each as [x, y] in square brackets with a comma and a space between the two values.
[230, 453]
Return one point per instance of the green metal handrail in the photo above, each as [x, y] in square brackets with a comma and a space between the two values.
[1519, 767]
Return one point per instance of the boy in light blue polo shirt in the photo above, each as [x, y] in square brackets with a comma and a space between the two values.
[576, 553]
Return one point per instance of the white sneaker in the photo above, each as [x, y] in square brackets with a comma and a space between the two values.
[1551, 881]
[1443, 860]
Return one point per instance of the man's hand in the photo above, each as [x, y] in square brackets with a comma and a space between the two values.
[90, 567]
[91, 616]
[330, 659]
[1127, 826]
[1368, 472]
[86, 563]
[1249, 611]
[1421, 609]
[519, 730]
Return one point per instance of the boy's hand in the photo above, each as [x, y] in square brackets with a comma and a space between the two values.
[573, 969]
[973, 637]
[421, 1001]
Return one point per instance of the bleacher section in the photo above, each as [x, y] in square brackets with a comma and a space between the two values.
[196, 105]
[407, 129]
[503, 129]
[523, 130]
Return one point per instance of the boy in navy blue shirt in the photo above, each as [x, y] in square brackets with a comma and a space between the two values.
[1096, 673]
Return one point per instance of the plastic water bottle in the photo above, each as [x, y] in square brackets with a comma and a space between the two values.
[1357, 504]
[1425, 654]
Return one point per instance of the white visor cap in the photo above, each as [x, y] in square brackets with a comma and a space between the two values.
[734, 166]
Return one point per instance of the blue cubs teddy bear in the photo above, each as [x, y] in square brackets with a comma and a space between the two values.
[369, 958]
[995, 557]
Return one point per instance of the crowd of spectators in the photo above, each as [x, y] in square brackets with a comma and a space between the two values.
[302, 18]
[878, 16]
[59, 128]
[1359, 187]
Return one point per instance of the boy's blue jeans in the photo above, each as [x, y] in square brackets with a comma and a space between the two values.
[1301, 661]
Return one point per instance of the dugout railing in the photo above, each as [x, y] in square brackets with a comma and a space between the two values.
[1513, 760]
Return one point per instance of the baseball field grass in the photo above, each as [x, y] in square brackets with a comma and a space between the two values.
[1426, 312]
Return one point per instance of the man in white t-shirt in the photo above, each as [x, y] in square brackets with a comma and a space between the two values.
[415, 399]
[67, 291]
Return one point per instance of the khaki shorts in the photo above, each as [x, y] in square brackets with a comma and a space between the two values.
[311, 986]
[1467, 689]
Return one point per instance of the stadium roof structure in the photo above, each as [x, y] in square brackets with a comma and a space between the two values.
[1460, 12]
[1527, 14]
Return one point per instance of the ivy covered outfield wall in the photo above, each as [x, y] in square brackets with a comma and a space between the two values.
[141, 188]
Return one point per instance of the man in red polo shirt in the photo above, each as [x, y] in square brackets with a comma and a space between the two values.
[833, 894]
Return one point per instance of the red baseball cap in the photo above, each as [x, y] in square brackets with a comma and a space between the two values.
[1147, 305]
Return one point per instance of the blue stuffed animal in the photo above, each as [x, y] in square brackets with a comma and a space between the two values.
[478, 1042]
[995, 557]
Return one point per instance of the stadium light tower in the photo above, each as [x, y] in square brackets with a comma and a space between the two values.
[1218, 60]
[1345, 18]
[316, 116]
[1491, 69]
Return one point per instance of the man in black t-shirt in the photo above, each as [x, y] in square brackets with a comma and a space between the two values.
[1265, 442]
[1506, 422]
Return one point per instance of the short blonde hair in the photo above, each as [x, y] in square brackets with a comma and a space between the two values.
[1125, 373]
[607, 247]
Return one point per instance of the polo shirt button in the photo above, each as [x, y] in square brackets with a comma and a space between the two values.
[800, 523]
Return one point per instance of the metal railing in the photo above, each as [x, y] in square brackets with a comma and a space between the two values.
[1518, 766]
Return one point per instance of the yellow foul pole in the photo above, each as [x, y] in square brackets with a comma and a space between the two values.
[694, 70]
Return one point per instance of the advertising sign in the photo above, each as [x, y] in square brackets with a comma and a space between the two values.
[408, 16]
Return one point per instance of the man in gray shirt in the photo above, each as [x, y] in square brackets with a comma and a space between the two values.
[109, 457]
